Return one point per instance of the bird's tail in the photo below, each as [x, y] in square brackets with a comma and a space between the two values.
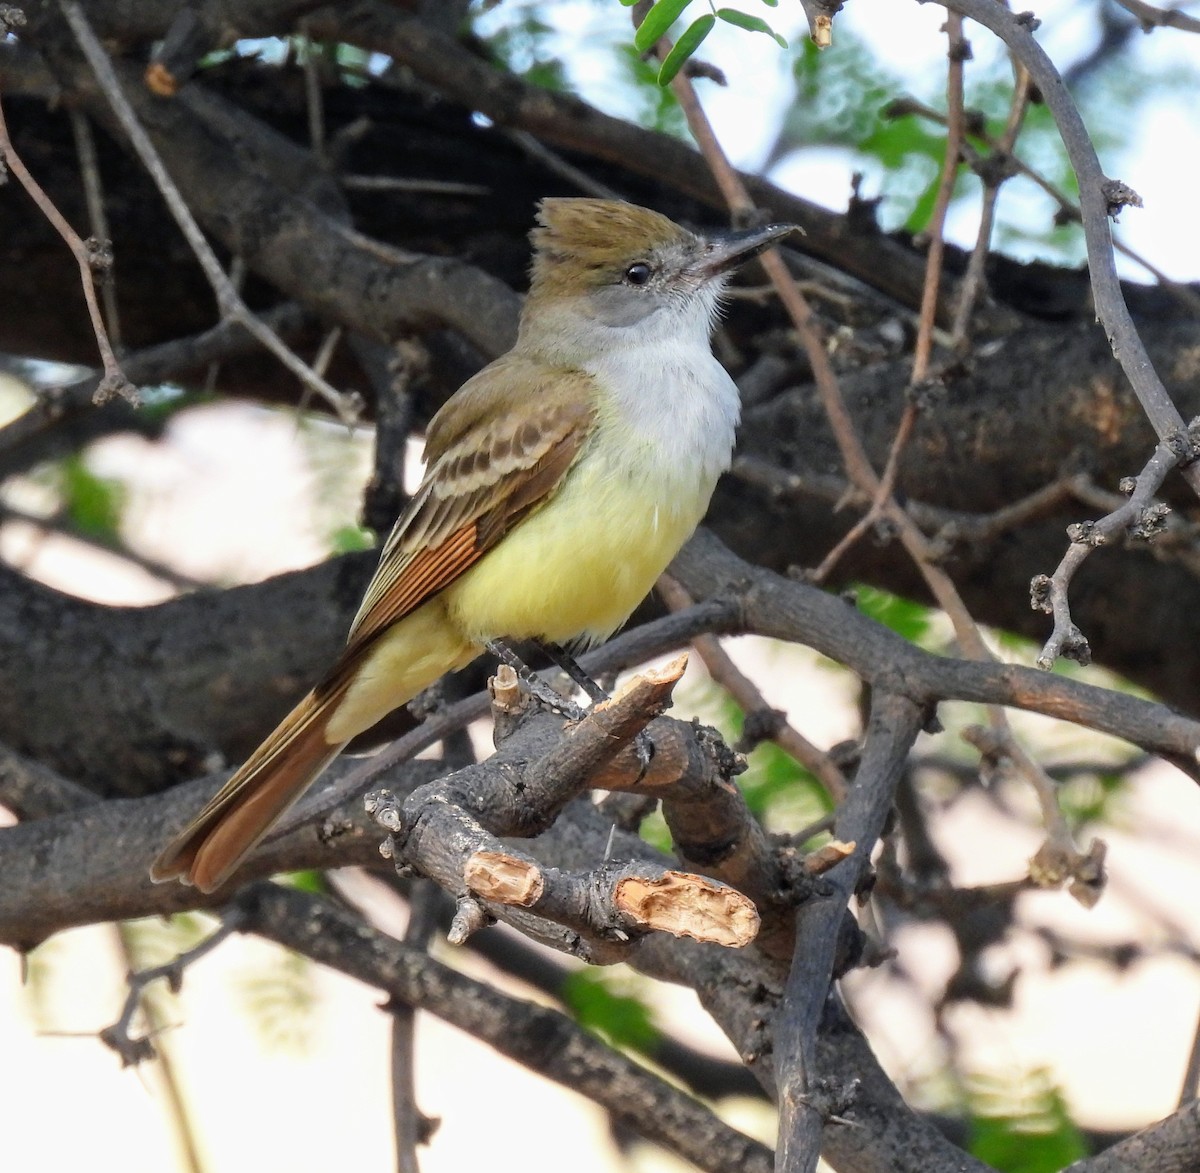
[212, 845]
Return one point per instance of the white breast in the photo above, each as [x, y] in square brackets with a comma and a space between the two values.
[676, 404]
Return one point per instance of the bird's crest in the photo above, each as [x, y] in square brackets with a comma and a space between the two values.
[598, 235]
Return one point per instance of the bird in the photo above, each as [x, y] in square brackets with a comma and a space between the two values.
[560, 481]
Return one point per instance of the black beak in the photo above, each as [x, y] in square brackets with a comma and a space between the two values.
[728, 249]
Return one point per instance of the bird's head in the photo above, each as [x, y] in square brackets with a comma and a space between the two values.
[607, 271]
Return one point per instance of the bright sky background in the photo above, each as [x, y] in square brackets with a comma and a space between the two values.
[1157, 159]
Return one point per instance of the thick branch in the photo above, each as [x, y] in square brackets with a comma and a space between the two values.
[894, 724]
[225, 164]
[544, 1040]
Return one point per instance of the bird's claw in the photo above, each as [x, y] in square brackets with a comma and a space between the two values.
[643, 747]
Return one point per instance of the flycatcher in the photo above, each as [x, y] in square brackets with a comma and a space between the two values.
[560, 482]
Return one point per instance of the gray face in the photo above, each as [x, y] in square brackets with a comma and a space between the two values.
[637, 290]
[619, 306]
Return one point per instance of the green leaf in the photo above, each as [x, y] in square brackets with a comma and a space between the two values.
[906, 619]
[1022, 1125]
[687, 44]
[93, 503]
[753, 24]
[621, 1018]
[775, 783]
[629, 3]
[660, 18]
[349, 539]
[280, 996]
[771, 3]
[658, 107]
[308, 881]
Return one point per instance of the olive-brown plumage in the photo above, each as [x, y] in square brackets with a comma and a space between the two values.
[560, 481]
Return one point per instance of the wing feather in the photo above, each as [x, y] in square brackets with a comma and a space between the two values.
[485, 476]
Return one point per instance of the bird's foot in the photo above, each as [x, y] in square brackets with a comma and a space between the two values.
[534, 683]
[643, 746]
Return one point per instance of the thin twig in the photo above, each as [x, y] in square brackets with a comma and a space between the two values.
[412, 1127]
[136, 1050]
[230, 303]
[1100, 199]
[854, 456]
[237, 278]
[412, 186]
[742, 207]
[957, 51]
[554, 162]
[314, 102]
[1068, 209]
[1151, 18]
[1140, 516]
[927, 319]
[993, 178]
[93, 192]
[883, 494]
[177, 1110]
[114, 381]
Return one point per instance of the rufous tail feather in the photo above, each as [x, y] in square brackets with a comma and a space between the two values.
[230, 826]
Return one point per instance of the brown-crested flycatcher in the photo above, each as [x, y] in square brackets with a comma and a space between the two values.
[560, 482]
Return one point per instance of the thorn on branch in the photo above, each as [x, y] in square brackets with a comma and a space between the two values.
[469, 917]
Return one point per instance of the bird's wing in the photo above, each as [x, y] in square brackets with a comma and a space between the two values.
[510, 443]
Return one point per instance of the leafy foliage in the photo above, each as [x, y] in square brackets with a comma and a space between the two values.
[349, 539]
[525, 48]
[92, 503]
[1022, 1125]
[907, 619]
[594, 1001]
[280, 999]
[658, 21]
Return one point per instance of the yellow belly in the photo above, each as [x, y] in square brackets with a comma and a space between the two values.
[581, 564]
[574, 569]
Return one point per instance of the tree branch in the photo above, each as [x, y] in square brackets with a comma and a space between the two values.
[543, 1040]
[893, 727]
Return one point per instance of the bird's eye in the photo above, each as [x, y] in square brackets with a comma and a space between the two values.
[638, 274]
